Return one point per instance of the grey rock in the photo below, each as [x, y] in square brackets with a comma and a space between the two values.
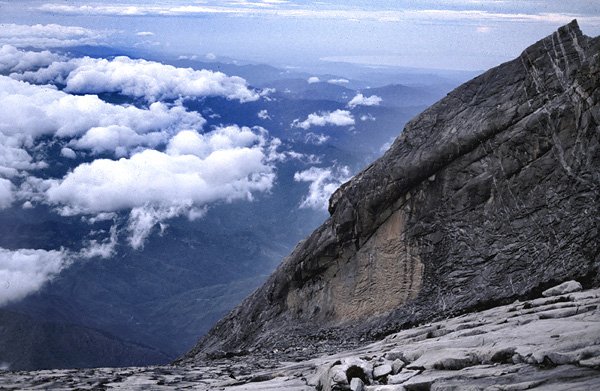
[394, 355]
[382, 370]
[487, 196]
[593, 362]
[397, 366]
[565, 287]
[539, 359]
[402, 376]
[357, 385]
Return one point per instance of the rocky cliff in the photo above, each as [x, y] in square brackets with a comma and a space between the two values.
[489, 195]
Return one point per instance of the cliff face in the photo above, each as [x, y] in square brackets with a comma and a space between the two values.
[490, 194]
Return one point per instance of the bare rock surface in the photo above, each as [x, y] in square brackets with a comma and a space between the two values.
[490, 195]
[508, 347]
[565, 287]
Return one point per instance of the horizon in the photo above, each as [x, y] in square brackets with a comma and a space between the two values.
[464, 35]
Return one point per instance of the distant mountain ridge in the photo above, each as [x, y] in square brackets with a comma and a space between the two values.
[489, 195]
[30, 344]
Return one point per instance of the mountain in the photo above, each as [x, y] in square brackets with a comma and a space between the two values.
[490, 195]
[31, 344]
[189, 274]
[438, 266]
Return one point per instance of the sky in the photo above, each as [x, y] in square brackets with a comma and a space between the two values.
[442, 34]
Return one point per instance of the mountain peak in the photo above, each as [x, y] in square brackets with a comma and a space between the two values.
[489, 195]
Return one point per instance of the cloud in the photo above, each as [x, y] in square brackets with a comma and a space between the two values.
[226, 164]
[68, 153]
[117, 139]
[144, 34]
[30, 111]
[339, 82]
[100, 249]
[367, 117]
[324, 10]
[143, 219]
[316, 139]
[13, 158]
[49, 35]
[313, 79]
[263, 114]
[361, 100]
[138, 78]
[6, 193]
[323, 182]
[15, 60]
[25, 271]
[336, 118]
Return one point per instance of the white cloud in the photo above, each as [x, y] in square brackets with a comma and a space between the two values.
[336, 118]
[49, 35]
[339, 82]
[68, 153]
[157, 178]
[6, 193]
[322, 10]
[29, 111]
[210, 56]
[144, 218]
[316, 139]
[361, 100]
[25, 271]
[144, 34]
[100, 249]
[263, 114]
[138, 78]
[15, 60]
[117, 139]
[313, 79]
[227, 164]
[13, 158]
[323, 182]
[367, 117]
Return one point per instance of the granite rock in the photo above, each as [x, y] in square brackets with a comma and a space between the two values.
[490, 195]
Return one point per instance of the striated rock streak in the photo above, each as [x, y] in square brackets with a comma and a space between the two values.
[489, 195]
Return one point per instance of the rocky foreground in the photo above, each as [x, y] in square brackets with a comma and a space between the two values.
[550, 343]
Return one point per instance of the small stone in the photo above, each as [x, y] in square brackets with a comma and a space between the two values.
[565, 287]
[382, 370]
[357, 385]
[397, 366]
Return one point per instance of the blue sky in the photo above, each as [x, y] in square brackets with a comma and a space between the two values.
[450, 34]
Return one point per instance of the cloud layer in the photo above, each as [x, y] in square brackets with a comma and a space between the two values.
[148, 80]
[15, 60]
[30, 111]
[435, 13]
[49, 35]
